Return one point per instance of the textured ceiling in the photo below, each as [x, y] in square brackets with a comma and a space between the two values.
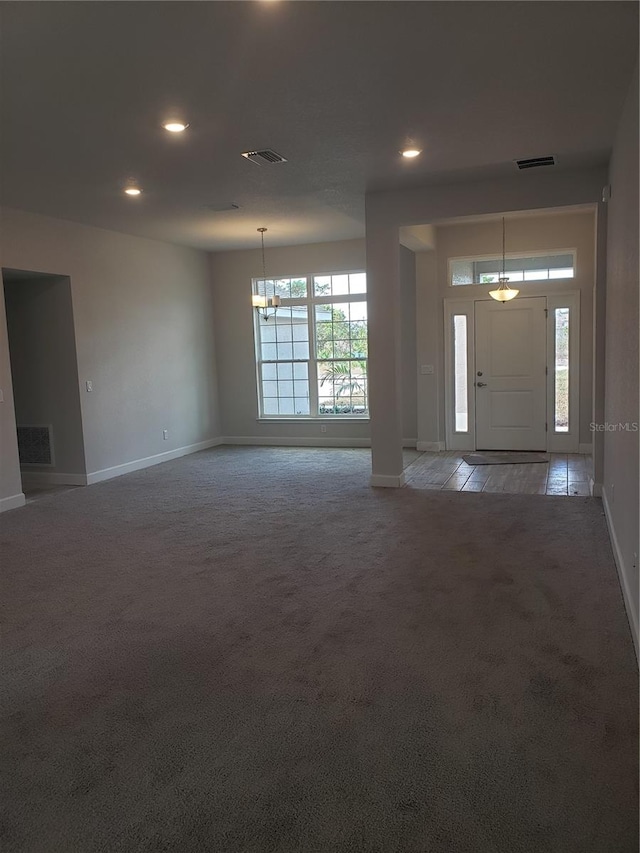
[335, 87]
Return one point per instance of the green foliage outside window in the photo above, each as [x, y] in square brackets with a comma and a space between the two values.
[339, 338]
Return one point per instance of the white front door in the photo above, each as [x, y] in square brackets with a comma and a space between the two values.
[510, 374]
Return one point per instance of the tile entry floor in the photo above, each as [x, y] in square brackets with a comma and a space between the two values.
[564, 474]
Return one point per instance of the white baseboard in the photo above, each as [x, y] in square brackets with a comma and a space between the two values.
[12, 502]
[440, 446]
[430, 446]
[307, 441]
[148, 461]
[629, 603]
[304, 441]
[387, 481]
[49, 478]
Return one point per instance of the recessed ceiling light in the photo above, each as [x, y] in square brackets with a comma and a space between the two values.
[132, 190]
[411, 152]
[175, 126]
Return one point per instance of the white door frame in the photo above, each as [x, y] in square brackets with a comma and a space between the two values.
[558, 442]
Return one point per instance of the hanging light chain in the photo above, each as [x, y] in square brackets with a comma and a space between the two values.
[274, 301]
[264, 267]
[504, 291]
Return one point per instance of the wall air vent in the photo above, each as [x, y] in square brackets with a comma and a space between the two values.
[34, 445]
[535, 162]
[265, 156]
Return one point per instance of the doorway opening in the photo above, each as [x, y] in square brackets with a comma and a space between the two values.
[44, 373]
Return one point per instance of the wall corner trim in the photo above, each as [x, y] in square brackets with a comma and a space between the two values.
[148, 461]
[632, 613]
[595, 488]
[12, 502]
[387, 481]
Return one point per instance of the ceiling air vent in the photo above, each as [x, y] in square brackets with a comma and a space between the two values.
[268, 155]
[535, 162]
[221, 207]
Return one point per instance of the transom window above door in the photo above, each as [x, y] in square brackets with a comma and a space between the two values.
[311, 353]
[523, 268]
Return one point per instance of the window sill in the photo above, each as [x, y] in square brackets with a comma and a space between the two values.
[328, 420]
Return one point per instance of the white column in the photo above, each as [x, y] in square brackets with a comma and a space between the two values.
[429, 351]
[385, 401]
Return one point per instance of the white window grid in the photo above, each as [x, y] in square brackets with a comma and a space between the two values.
[523, 275]
[310, 301]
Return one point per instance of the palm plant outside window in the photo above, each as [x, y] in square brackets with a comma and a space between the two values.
[312, 355]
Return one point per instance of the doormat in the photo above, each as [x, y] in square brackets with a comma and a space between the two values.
[504, 458]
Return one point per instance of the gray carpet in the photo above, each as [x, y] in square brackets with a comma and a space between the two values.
[250, 650]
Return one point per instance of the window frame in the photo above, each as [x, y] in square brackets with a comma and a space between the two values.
[457, 439]
[514, 256]
[310, 301]
[566, 441]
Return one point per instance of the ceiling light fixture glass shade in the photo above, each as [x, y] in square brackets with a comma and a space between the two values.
[175, 126]
[411, 152]
[260, 302]
[503, 293]
[132, 191]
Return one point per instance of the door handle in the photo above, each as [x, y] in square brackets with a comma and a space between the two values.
[481, 384]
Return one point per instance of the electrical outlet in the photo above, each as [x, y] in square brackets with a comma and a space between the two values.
[635, 561]
[89, 385]
[165, 434]
[323, 427]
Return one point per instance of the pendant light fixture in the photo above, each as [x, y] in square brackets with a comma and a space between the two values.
[260, 302]
[503, 293]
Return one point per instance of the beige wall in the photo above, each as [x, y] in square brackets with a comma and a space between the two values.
[525, 234]
[231, 274]
[143, 315]
[43, 366]
[621, 473]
